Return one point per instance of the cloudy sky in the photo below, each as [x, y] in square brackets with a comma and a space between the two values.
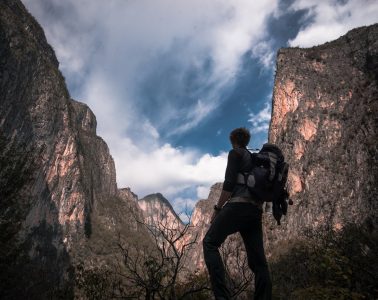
[168, 80]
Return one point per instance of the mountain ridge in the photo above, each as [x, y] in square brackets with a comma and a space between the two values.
[156, 207]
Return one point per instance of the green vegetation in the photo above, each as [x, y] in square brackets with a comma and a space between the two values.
[325, 264]
[329, 264]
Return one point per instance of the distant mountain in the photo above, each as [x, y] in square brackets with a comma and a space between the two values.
[157, 209]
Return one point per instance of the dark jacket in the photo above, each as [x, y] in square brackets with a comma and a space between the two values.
[239, 161]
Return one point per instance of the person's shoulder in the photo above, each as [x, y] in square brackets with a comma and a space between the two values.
[237, 152]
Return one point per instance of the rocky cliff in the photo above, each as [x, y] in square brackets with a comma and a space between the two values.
[157, 209]
[59, 198]
[325, 107]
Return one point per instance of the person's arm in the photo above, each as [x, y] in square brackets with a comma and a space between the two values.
[233, 164]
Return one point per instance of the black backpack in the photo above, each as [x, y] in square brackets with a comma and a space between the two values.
[267, 179]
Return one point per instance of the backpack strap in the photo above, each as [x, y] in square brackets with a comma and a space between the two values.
[243, 177]
[246, 179]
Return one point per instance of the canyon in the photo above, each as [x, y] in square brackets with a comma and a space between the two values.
[59, 201]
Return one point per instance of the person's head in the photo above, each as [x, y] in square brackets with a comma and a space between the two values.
[240, 137]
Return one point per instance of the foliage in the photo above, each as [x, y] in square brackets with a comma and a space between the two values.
[329, 264]
[147, 272]
[196, 286]
[98, 282]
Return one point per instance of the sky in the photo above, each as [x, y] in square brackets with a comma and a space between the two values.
[168, 80]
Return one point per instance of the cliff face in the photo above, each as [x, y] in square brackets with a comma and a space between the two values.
[157, 209]
[325, 107]
[58, 183]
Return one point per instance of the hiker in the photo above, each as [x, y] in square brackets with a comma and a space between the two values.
[237, 211]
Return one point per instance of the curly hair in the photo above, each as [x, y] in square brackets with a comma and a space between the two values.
[240, 136]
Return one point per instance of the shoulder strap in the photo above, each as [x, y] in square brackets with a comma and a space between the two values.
[246, 158]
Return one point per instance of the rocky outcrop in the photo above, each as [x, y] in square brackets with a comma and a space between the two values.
[158, 210]
[325, 104]
[164, 225]
[126, 193]
[59, 198]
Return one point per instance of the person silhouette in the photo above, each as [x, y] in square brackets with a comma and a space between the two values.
[237, 211]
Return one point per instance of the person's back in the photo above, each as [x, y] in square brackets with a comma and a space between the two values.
[237, 211]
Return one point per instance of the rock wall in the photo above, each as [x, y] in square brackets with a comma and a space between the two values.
[59, 200]
[157, 209]
[325, 107]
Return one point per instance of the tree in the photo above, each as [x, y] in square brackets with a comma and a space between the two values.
[159, 271]
[159, 266]
[238, 273]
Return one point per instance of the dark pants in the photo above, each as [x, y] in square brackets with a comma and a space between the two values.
[246, 219]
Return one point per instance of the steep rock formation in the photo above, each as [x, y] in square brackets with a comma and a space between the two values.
[157, 209]
[162, 222]
[126, 193]
[59, 199]
[325, 107]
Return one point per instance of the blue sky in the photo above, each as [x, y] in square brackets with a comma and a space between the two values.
[168, 80]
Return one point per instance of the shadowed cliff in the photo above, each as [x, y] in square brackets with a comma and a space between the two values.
[59, 198]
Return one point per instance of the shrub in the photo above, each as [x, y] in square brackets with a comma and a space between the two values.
[329, 264]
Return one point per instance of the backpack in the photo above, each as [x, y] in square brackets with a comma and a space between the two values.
[267, 179]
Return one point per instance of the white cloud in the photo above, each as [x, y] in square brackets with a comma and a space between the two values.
[107, 49]
[331, 19]
[165, 169]
[194, 116]
[263, 50]
[122, 40]
[260, 121]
